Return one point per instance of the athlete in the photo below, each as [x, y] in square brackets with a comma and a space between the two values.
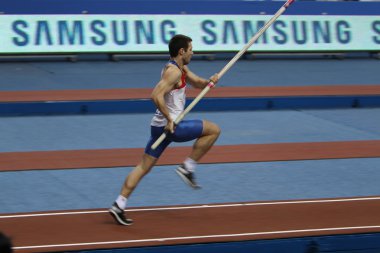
[169, 97]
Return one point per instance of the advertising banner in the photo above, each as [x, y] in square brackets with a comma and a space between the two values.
[210, 33]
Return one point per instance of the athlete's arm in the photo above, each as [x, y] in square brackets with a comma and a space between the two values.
[170, 78]
[198, 82]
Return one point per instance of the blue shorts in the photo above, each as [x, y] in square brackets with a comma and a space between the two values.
[186, 130]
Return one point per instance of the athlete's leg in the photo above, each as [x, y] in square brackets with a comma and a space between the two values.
[148, 160]
[202, 145]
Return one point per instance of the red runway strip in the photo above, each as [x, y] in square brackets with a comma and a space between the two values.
[144, 93]
[192, 224]
[103, 158]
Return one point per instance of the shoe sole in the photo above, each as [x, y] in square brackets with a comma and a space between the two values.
[117, 218]
[187, 181]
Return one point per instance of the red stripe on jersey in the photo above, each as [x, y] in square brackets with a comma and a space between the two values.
[183, 81]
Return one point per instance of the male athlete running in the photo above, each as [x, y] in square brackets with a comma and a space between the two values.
[169, 97]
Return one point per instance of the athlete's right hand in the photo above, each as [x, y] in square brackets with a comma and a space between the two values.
[170, 126]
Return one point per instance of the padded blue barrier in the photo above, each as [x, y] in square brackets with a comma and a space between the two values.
[363, 243]
[185, 7]
[206, 104]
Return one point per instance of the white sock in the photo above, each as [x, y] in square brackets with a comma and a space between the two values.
[190, 164]
[121, 202]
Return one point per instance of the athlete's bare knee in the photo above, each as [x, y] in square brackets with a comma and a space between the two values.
[210, 128]
[143, 169]
[135, 177]
[217, 130]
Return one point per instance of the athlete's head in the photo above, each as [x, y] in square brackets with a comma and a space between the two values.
[181, 45]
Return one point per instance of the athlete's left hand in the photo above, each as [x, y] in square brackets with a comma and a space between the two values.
[170, 126]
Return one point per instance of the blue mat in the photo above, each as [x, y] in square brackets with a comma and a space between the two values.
[132, 130]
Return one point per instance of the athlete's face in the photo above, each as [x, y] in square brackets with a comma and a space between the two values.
[188, 54]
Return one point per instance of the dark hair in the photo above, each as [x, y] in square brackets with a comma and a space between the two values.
[5, 244]
[177, 42]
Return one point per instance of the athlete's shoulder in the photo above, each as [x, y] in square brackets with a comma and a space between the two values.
[171, 69]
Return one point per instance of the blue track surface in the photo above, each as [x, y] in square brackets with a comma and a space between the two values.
[237, 182]
[79, 189]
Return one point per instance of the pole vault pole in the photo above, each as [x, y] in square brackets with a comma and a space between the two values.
[225, 69]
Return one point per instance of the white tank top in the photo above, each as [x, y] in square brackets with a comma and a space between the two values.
[175, 102]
